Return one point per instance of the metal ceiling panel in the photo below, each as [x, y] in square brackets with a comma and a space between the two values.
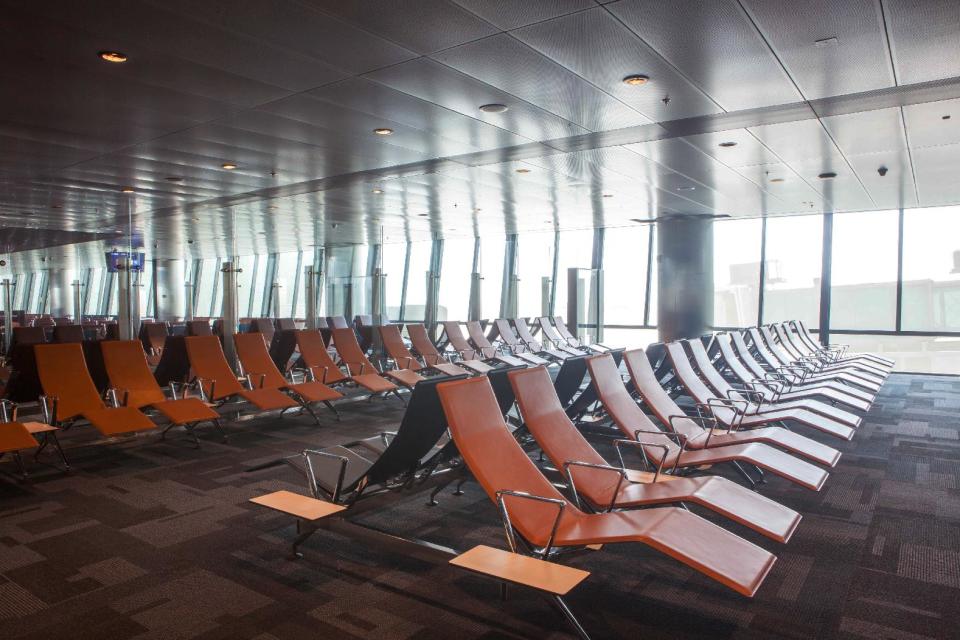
[510, 14]
[446, 87]
[596, 46]
[803, 140]
[924, 38]
[933, 123]
[893, 190]
[746, 149]
[857, 60]
[424, 26]
[713, 43]
[504, 62]
[936, 169]
[867, 132]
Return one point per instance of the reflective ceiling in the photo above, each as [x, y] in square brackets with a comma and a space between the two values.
[290, 92]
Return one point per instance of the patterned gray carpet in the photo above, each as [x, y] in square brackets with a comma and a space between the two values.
[151, 539]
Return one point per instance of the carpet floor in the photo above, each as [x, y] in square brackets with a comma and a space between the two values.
[156, 539]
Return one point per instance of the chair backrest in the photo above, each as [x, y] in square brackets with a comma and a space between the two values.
[655, 396]
[337, 322]
[345, 342]
[63, 333]
[766, 353]
[556, 434]
[29, 335]
[708, 370]
[421, 428]
[153, 334]
[549, 331]
[622, 408]
[129, 374]
[570, 378]
[504, 330]
[806, 336]
[496, 459]
[256, 361]
[744, 355]
[199, 328]
[479, 339]
[457, 340]
[286, 324]
[263, 326]
[424, 345]
[562, 328]
[363, 320]
[282, 348]
[64, 376]
[174, 365]
[696, 387]
[396, 349]
[314, 353]
[785, 342]
[581, 404]
[209, 364]
[523, 332]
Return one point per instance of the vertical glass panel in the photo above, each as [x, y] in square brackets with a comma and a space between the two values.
[417, 280]
[535, 270]
[654, 285]
[863, 280]
[204, 287]
[931, 269]
[145, 289]
[736, 272]
[491, 270]
[393, 256]
[576, 250]
[792, 287]
[92, 294]
[21, 284]
[287, 279]
[624, 275]
[260, 286]
[244, 284]
[300, 309]
[454, 293]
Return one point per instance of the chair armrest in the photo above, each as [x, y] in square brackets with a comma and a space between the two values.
[312, 477]
[49, 405]
[204, 395]
[8, 410]
[638, 443]
[589, 465]
[508, 526]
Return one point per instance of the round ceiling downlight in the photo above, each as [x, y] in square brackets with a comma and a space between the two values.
[493, 108]
[383, 131]
[827, 175]
[636, 80]
[112, 56]
[727, 144]
[127, 189]
[521, 170]
[229, 166]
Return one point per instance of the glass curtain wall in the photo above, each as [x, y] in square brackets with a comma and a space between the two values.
[454, 292]
[535, 252]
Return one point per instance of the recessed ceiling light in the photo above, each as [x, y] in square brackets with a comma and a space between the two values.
[608, 195]
[229, 166]
[174, 179]
[521, 170]
[272, 208]
[826, 175]
[127, 189]
[776, 180]
[423, 215]
[685, 188]
[112, 56]
[197, 219]
[946, 117]
[825, 42]
[493, 108]
[56, 206]
[383, 131]
[728, 144]
[636, 80]
[378, 190]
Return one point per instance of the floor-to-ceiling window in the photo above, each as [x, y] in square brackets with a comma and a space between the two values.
[490, 265]
[535, 252]
[626, 255]
[736, 272]
[576, 251]
[287, 282]
[792, 270]
[416, 299]
[393, 256]
[454, 293]
[863, 273]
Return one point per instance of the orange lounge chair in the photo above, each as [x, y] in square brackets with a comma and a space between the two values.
[604, 487]
[818, 360]
[770, 351]
[14, 435]
[736, 412]
[257, 363]
[263, 326]
[663, 450]
[776, 388]
[698, 436]
[219, 383]
[483, 346]
[69, 393]
[359, 367]
[512, 343]
[425, 348]
[469, 357]
[815, 346]
[793, 378]
[406, 366]
[534, 511]
[572, 340]
[199, 328]
[550, 333]
[321, 366]
[154, 337]
[134, 386]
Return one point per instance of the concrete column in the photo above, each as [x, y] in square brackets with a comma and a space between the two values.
[685, 277]
[169, 276]
[60, 291]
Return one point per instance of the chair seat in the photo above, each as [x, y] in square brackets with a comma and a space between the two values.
[450, 369]
[14, 436]
[118, 420]
[374, 383]
[762, 455]
[185, 410]
[477, 366]
[315, 391]
[777, 436]
[268, 399]
[406, 377]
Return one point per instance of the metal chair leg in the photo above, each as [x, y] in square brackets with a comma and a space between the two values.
[332, 408]
[746, 476]
[572, 619]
